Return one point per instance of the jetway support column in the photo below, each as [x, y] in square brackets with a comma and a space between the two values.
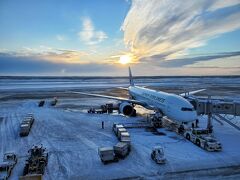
[209, 113]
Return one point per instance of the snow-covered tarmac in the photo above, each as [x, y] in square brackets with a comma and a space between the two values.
[72, 136]
[72, 139]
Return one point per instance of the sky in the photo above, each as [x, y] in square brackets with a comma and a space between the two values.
[104, 37]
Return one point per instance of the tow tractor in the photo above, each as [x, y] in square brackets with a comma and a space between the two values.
[158, 155]
[203, 139]
[6, 167]
[35, 164]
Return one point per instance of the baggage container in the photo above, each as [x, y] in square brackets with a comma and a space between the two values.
[24, 129]
[116, 127]
[30, 115]
[119, 131]
[27, 121]
[107, 154]
[41, 103]
[121, 149]
[125, 137]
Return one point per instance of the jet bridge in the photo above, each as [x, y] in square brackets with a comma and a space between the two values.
[217, 109]
[214, 106]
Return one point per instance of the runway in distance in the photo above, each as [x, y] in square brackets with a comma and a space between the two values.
[175, 107]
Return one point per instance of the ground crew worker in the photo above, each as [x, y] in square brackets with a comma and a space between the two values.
[181, 129]
[102, 124]
[197, 121]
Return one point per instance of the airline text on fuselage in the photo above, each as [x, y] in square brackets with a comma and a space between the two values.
[151, 96]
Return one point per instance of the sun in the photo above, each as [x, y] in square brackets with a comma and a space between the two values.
[124, 59]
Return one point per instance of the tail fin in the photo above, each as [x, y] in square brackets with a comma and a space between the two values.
[130, 77]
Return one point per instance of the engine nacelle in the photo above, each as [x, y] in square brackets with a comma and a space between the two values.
[126, 109]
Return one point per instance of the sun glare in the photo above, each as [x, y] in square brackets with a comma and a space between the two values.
[124, 59]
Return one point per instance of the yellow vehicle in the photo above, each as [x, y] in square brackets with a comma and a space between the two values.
[6, 167]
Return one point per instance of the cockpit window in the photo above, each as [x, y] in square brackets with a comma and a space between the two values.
[186, 109]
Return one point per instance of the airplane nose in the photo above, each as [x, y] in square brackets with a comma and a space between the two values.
[194, 116]
[189, 117]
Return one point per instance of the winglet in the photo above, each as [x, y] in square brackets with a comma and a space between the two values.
[130, 77]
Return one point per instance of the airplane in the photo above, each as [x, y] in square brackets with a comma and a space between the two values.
[175, 107]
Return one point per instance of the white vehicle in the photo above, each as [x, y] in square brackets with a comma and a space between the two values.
[212, 144]
[158, 155]
[176, 107]
[203, 139]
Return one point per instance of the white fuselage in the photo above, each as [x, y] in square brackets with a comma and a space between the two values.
[173, 106]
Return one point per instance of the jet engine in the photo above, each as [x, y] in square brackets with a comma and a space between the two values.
[127, 109]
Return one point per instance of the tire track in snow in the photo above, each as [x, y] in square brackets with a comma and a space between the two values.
[3, 133]
[72, 127]
[56, 158]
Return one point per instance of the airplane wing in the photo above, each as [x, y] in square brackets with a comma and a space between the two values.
[124, 88]
[112, 97]
[191, 92]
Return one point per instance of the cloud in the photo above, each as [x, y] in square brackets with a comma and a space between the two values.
[221, 4]
[49, 54]
[65, 56]
[19, 65]
[89, 35]
[28, 65]
[60, 37]
[205, 70]
[181, 62]
[170, 27]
